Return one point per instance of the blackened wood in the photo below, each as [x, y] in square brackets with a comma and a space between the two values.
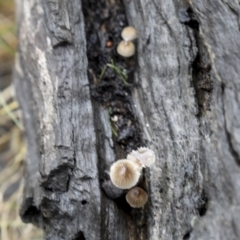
[186, 103]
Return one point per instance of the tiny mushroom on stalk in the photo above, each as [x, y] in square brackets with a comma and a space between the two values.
[126, 48]
[129, 33]
[136, 197]
[143, 155]
[125, 174]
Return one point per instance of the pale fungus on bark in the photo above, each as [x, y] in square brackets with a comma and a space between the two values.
[126, 48]
[129, 34]
[125, 174]
[143, 155]
[136, 197]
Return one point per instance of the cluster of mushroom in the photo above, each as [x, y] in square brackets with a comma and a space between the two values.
[126, 48]
[125, 174]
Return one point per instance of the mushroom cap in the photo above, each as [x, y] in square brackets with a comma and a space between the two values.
[126, 49]
[129, 33]
[136, 197]
[125, 174]
[143, 155]
[134, 159]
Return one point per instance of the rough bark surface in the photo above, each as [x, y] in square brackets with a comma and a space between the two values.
[184, 102]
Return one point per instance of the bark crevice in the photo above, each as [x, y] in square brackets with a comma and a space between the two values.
[228, 134]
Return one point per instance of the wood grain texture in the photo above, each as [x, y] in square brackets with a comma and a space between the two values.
[54, 61]
[168, 109]
[185, 99]
[219, 30]
[200, 152]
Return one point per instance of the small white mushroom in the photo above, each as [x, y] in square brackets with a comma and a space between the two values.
[126, 49]
[129, 33]
[143, 155]
[125, 174]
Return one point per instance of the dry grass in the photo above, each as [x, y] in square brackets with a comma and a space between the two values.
[12, 154]
[12, 147]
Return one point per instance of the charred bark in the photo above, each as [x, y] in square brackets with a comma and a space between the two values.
[180, 99]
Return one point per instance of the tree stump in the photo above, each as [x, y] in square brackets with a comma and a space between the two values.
[181, 99]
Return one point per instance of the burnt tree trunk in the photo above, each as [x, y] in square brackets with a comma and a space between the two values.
[181, 99]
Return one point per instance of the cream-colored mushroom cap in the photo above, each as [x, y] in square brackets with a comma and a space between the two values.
[129, 33]
[144, 155]
[126, 49]
[125, 174]
[136, 197]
